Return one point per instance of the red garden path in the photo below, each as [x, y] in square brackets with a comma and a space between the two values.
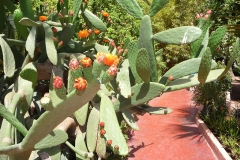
[170, 137]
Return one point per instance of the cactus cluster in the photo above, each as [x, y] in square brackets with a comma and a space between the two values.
[89, 87]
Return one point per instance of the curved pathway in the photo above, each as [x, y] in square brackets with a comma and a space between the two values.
[170, 137]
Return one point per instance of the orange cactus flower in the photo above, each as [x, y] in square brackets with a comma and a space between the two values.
[105, 40]
[111, 59]
[86, 62]
[42, 18]
[83, 33]
[105, 14]
[96, 31]
[80, 84]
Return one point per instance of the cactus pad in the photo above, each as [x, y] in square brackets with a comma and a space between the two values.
[113, 132]
[205, 66]
[156, 6]
[128, 117]
[178, 35]
[123, 79]
[192, 80]
[132, 7]
[184, 68]
[56, 137]
[92, 129]
[8, 58]
[143, 65]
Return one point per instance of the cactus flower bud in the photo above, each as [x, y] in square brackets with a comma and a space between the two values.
[60, 15]
[112, 71]
[61, 2]
[118, 48]
[101, 57]
[54, 39]
[57, 82]
[209, 11]
[86, 62]
[116, 147]
[74, 64]
[197, 16]
[102, 124]
[71, 13]
[206, 16]
[54, 30]
[170, 78]
[109, 142]
[90, 31]
[102, 132]
[120, 51]
[60, 44]
[96, 31]
[80, 84]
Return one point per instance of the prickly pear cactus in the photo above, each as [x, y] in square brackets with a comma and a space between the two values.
[75, 92]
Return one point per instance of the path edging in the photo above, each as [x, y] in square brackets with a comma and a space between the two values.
[213, 142]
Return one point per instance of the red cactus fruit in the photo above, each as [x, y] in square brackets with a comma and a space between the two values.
[102, 132]
[57, 82]
[170, 78]
[116, 147]
[74, 64]
[80, 84]
[112, 71]
[101, 57]
[209, 11]
[109, 142]
[101, 124]
[71, 13]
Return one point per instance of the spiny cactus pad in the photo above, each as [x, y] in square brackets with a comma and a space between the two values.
[123, 79]
[156, 6]
[31, 38]
[196, 45]
[216, 37]
[233, 56]
[192, 80]
[132, 7]
[205, 66]
[95, 21]
[113, 132]
[12, 119]
[128, 117]
[184, 68]
[132, 57]
[8, 58]
[142, 93]
[81, 145]
[76, 9]
[92, 129]
[143, 65]
[81, 114]
[29, 73]
[145, 41]
[178, 35]
[56, 137]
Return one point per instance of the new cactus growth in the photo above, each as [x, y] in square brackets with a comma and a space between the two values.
[88, 88]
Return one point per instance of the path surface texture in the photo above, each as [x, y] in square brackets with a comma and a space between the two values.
[170, 137]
